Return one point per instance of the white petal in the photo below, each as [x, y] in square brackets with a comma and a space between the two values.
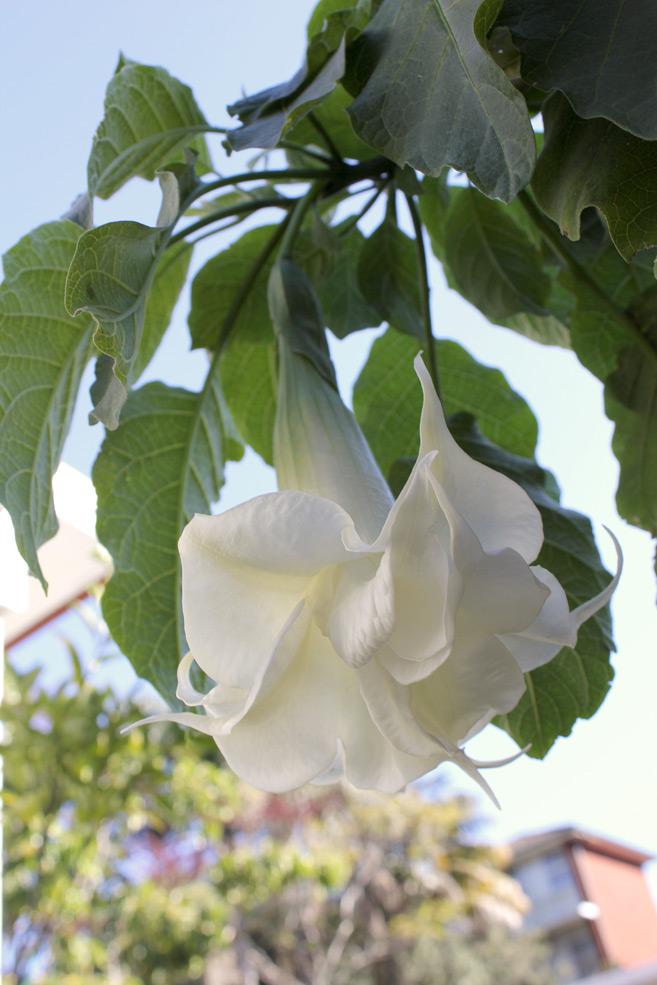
[498, 510]
[479, 680]
[286, 532]
[416, 578]
[552, 629]
[360, 613]
[290, 735]
[389, 705]
[502, 594]
[599, 601]
[319, 447]
[245, 571]
[556, 627]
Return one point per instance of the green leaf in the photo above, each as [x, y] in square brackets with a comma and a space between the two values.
[601, 55]
[265, 116]
[43, 353]
[345, 308]
[388, 399]
[594, 163]
[574, 684]
[430, 95]
[335, 17]
[110, 277]
[149, 118]
[164, 464]
[248, 379]
[219, 282]
[388, 277]
[494, 264]
[168, 282]
[297, 316]
[332, 114]
[631, 403]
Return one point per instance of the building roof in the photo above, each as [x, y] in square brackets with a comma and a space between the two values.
[531, 846]
[73, 562]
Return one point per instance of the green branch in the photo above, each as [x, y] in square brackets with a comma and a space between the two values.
[425, 292]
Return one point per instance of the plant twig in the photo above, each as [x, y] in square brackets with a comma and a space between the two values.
[425, 292]
[326, 137]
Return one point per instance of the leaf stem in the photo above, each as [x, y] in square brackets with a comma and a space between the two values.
[355, 219]
[326, 137]
[425, 292]
[555, 241]
[306, 151]
[297, 216]
[275, 202]
[269, 174]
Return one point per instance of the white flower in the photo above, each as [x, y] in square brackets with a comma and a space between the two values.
[350, 635]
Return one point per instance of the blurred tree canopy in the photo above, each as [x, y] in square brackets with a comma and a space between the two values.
[140, 859]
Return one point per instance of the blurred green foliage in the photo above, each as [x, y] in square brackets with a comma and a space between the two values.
[140, 860]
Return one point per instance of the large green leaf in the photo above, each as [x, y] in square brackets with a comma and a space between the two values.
[621, 350]
[248, 379]
[631, 403]
[388, 277]
[575, 682]
[43, 353]
[494, 263]
[594, 163]
[344, 305]
[149, 118]
[388, 399]
[601, 55]
[429, 94]
[218, 284]
[168, 282]
[165, 463]
[110, 277]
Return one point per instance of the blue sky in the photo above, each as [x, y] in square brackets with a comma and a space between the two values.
[57, 59]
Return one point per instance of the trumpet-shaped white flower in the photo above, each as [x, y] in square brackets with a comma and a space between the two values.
[352, 635]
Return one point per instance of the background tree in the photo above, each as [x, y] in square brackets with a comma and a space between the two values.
[143, 860]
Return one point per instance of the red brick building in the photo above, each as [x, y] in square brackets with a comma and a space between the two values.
[590, 899]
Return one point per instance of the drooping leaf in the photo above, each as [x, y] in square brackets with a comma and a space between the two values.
[631, 403]
[168, 282]
[266, 115]
[574, 684]
[429, 94]
[601, 55]
[494, 264]
[248, 379]
[388, 277]
[219, 282]
[110, 277]
[297, 316]
[165, 463]
[149, 118]
[594, 163]
[43, 352]
[388, 399]
[619, 345]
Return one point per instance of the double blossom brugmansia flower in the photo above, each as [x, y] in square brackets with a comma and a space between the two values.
[350, 635]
